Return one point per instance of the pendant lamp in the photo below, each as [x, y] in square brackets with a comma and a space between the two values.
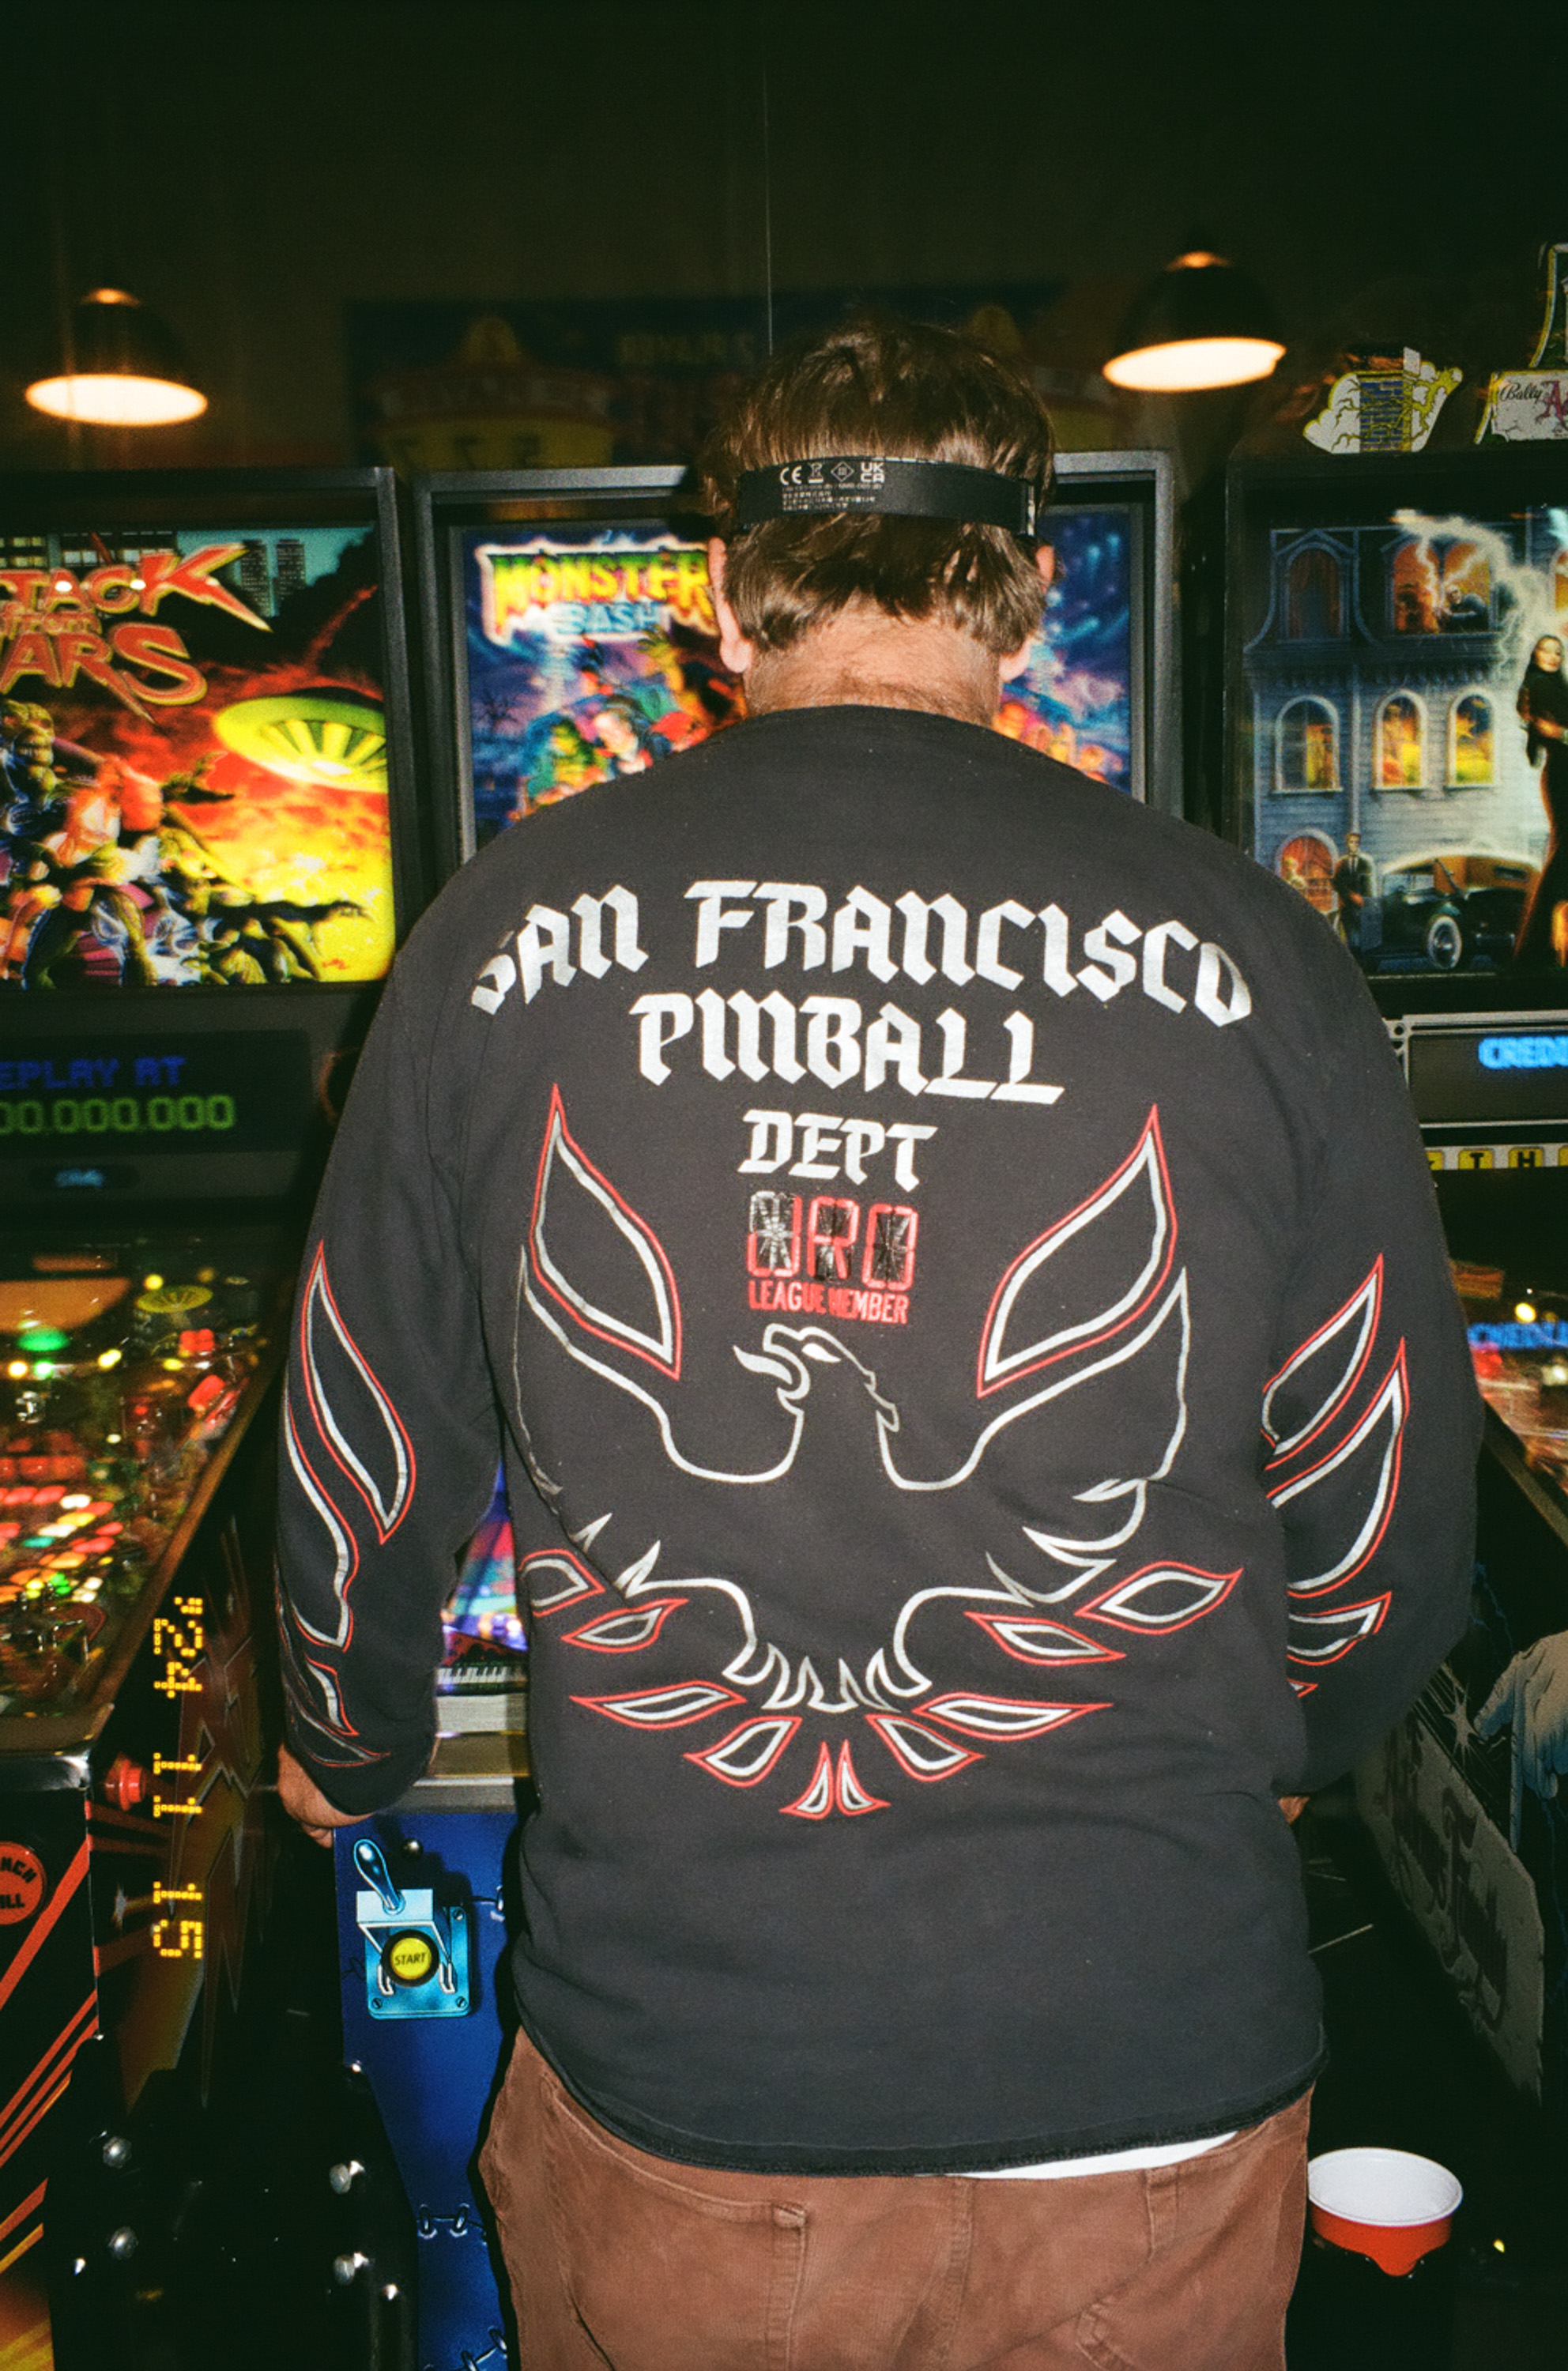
[122, 368]
[1201, 323]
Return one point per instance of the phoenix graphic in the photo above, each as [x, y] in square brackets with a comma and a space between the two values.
[1089, 1328]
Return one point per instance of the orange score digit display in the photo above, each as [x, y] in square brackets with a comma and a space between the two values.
[179, 1643]
[176, 1937]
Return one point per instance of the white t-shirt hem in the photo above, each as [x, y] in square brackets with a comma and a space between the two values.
[1115, 2161]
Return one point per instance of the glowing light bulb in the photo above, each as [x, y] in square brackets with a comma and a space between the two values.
[1191, 362]
[1525, 1310]
[152, 1284]
[107, 1359]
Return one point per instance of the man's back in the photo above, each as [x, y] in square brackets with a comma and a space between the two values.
[949, 1249]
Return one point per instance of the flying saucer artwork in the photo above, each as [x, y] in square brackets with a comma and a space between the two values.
[311, 736]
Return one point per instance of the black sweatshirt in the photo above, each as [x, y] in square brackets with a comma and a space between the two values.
[947, 1258]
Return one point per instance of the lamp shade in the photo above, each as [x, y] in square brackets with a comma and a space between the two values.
[124, 368]
[1201, 323]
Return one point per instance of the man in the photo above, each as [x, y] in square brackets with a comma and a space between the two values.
[1356, 886]
[948, 1261]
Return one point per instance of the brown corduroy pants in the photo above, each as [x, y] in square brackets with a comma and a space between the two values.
[622, 2258]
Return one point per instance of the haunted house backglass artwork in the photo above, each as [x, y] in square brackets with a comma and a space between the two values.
[1399, 636]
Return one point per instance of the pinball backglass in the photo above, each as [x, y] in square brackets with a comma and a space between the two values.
[1399, 699]
[568, 634]
[208, 846]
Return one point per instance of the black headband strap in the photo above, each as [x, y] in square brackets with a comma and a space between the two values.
[859, 482]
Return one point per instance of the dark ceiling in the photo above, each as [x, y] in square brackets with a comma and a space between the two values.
[249, 169]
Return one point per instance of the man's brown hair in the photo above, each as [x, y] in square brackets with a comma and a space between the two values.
[905, 392]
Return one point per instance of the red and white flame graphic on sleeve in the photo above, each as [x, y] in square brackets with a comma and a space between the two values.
[350, 1455]
[1334, 1419]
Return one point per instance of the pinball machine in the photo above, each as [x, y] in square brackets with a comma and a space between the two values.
[1463, 1799]
[1395, 628]
[208, 849]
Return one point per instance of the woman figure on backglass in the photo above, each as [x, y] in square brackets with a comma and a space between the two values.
[1543, 709]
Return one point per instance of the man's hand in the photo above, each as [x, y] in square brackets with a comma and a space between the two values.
[303, 1801]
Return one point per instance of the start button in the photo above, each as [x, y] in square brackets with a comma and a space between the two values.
[410, 1959]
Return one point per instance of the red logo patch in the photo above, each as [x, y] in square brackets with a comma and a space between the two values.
[21, 1884]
